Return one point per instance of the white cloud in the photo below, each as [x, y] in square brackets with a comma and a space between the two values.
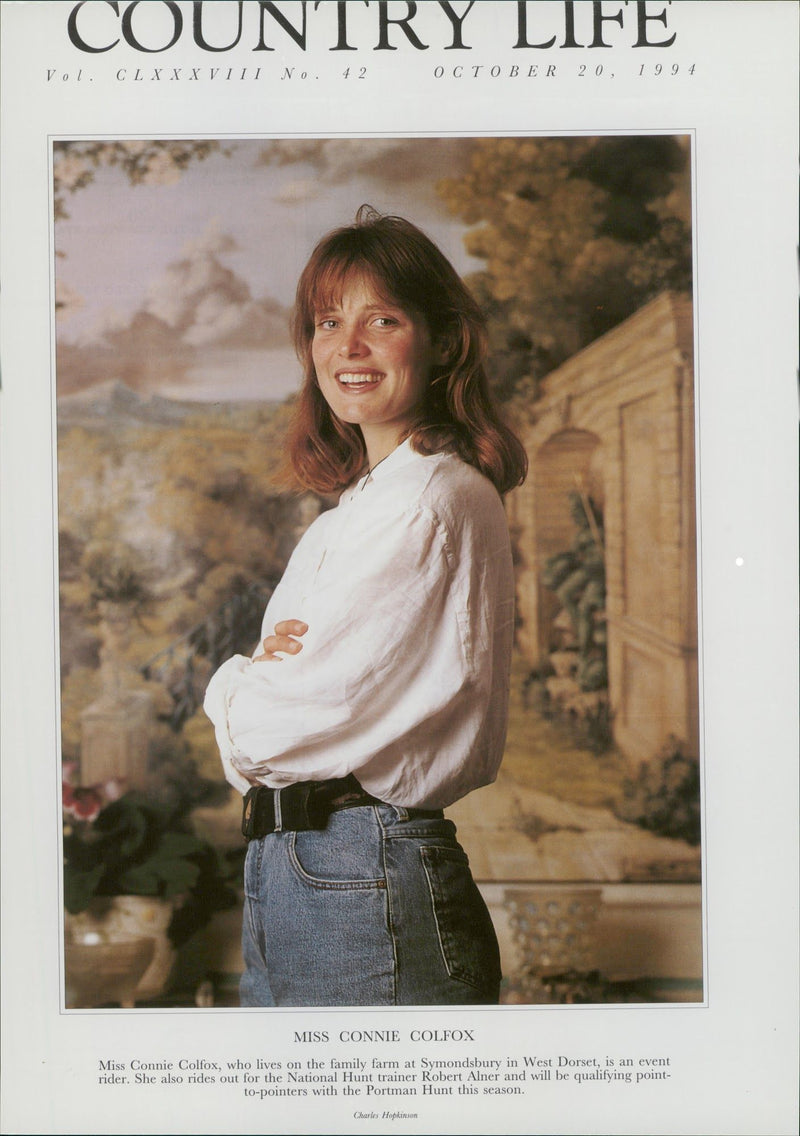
[297, 191]
[385, 161]
[195, 305]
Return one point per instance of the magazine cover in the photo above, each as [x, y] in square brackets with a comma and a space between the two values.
[399, 566]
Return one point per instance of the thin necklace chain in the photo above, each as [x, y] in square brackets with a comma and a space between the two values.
[370, 472]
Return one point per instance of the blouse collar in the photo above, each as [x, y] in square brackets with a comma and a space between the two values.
[401, 456]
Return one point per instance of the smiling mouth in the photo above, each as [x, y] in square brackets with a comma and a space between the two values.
[358, 380]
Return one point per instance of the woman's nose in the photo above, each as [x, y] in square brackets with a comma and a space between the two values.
[351, 342]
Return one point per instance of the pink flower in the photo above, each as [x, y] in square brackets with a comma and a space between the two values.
[81, 803]
[84, 802]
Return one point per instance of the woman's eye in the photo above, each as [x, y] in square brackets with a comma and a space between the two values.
[326, 324]
[385, 321]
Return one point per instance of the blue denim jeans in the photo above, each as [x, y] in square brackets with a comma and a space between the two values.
[378, 909]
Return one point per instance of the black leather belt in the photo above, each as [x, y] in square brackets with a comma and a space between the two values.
[307, 805]
[299, 807]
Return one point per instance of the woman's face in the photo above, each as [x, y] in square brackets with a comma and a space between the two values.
[373, 362]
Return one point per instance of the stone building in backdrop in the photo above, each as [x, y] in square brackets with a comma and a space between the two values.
[615, 424]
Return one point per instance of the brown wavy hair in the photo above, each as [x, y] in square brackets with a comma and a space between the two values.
[457, 414]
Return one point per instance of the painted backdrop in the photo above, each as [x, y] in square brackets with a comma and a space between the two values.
[175, 268]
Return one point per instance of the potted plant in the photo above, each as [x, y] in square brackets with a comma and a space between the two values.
[577, 576]
[133, 868]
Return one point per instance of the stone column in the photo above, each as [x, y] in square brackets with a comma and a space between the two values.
[115, 729]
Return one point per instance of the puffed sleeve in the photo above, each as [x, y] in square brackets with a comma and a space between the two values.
[387, 655]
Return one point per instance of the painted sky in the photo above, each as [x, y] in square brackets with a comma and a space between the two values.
[182, 286]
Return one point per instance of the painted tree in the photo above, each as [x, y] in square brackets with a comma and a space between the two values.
[576, 234]
[143, 162]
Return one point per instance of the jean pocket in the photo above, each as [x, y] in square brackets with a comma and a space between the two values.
[466, 934]
[347, 854]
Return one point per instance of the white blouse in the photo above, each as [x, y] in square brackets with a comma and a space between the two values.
[407, 588]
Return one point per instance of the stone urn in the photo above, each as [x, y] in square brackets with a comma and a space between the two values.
[554, 928]
[103, 971]
[124, 919]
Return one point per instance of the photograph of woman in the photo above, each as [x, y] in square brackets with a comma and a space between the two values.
[296, 531]
[378, 694]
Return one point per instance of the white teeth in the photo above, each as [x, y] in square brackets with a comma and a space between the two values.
[356, 378]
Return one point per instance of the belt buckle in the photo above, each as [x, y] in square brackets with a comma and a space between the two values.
[257, 813]
[249, 812]
[310, 808]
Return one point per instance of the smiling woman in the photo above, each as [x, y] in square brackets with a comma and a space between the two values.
[409, 294]
[393, 627]
[372, 361]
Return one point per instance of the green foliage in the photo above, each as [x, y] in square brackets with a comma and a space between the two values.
[665, 796]
[142, 162]
[576, 234]
[174, 779]
[174, 520]
[587, 988]
[137, 846]
[577, 576]
[116, 574]
[590, 730]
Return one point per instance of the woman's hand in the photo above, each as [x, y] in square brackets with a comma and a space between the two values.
[282, 640]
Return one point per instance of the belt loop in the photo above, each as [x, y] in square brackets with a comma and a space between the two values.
[402, 813]
[278, 817]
